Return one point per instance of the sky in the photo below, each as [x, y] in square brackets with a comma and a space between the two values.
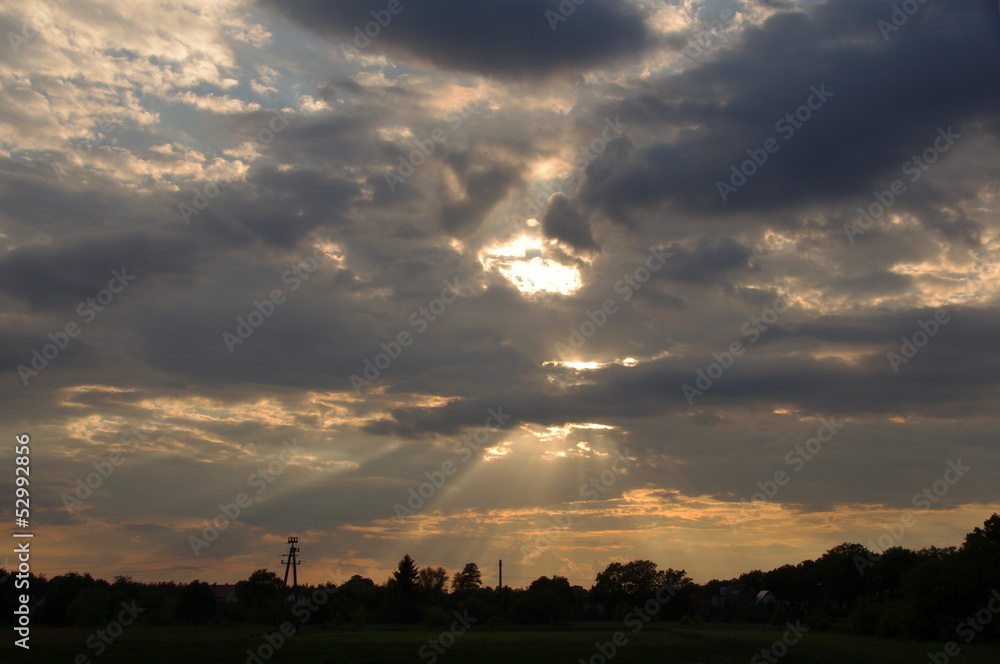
[704, 282]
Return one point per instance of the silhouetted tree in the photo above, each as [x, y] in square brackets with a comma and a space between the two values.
[260, 594]
[400, 599]
[196, 603]
[354, 600]
[754, 579]
[468, 580]
[987, 537]
[360, 590]
[91, 607]
[840, 582]
[633, 582]
[406, 575]
[884, 578]
[57, 609]
[976, 567]
[433, 579]
[261, 588]
[782, 582]
[545, 601]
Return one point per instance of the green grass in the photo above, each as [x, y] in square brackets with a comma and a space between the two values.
[652, 645]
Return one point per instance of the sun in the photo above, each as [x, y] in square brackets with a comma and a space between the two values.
[525, 261]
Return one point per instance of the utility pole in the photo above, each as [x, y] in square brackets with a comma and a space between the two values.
[501, 573]
[291, 564]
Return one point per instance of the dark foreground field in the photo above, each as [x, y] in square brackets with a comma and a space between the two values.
[653, 645]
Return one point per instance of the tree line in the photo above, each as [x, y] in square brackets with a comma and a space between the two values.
[926, 593]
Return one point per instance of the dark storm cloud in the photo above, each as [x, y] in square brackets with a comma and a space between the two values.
[775, 4]
[283, 207]
[513, 38]
[278, 207]
[709, 261]
[37, 202]
[310, 338]
[564, 222]
[889, 98]
[51, 277]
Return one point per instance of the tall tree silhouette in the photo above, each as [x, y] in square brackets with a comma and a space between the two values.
[986, 537]
[469, 579]
[406, 575]
[401, 603]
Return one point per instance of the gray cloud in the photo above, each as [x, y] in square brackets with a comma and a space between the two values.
[514, 38]
[889, 99]
[563, 222]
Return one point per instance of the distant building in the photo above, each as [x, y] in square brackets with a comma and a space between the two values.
[766, 597]
[729, 595]
[225, 591]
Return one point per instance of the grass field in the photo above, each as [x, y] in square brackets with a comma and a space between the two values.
[652, 645]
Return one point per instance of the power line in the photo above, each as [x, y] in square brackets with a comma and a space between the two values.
[127, 565]
[389, 557]
[128, 568]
